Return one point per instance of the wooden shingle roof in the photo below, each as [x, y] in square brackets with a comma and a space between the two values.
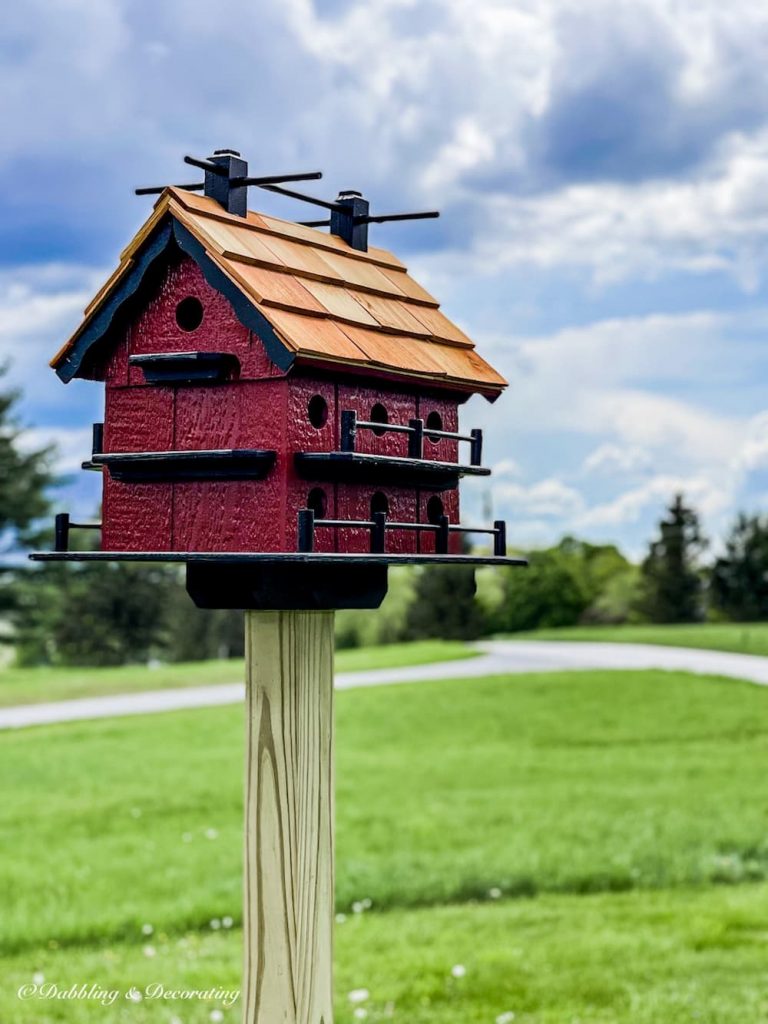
[327, 303]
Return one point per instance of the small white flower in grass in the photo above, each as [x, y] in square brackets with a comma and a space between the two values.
[211, 833]
[367, 903]
[494, 893]
[175, 1020]
[341, 918]
[38, 977]
[357, 907]
[458, 970]
[505, 1018]
[227, 922]
[149, 951]
[134, 995]
[360, 1013]
[215, 924]
[358, 995]
[147, 929]
[217, 1015]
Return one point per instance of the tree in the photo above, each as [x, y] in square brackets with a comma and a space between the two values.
[93, 613]
[25, 477]
[548, 593]
[671, 583]
[739, 578]
[444, 605]
[569, 583]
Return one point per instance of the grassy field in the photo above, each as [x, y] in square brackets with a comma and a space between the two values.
[740, 637]
[34, 685]
[668, 957]
[622, 804]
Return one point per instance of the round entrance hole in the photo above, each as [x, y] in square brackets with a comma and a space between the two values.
[317, 410]
[189, 313]
[434, 509]
[379, 415]
[317, 501]
[379, 503]
[434, 422]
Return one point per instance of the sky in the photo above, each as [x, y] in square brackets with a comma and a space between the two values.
[601, 168]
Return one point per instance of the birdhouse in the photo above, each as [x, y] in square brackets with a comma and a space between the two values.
[275, 395]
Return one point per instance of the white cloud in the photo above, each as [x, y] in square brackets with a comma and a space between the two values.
[714, 220]
[547, 499]
[611, 459]
[535, 126]
[506, 468]
[753, 453]
[40, 305]
[616, 381]
[704, 493]
[72, 444]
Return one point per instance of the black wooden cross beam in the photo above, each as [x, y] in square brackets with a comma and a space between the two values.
[227, 181]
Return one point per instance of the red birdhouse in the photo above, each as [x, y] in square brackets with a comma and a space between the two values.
[271, 388]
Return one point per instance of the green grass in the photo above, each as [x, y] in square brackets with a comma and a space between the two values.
[36, 685]
[740, 637]
[622, 803]
[634, 958]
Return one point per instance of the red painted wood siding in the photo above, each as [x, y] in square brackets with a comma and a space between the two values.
[137, 517]
[400, 408]
[237, 515]
[248, 413]
[156, 329]
[354, 502]
[302, 436]
[443, 450]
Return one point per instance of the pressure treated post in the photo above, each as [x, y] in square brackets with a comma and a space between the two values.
[288, 871]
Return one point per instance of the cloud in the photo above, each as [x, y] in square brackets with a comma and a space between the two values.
[619, 138]
[546, 499]
[619, 380]
[612, 459]
[72, 445]
[704, 493]
[607, 421]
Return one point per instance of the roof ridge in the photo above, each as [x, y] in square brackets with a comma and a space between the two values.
[375, 255]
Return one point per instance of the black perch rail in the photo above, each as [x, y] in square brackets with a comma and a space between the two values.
[378, 525]
[416, 431]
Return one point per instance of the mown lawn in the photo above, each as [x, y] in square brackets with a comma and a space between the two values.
[564, 837]
[740, 637]
[668, 957]
[35, 685]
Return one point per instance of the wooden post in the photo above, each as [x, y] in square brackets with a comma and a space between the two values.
[288, 871]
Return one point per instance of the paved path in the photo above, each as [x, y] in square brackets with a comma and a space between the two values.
[497, 658]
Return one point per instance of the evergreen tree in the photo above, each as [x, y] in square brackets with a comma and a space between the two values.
[739, 578]
[25, 477]
[671, 584]
[94, 613]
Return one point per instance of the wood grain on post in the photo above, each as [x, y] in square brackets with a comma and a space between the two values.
[288, 898]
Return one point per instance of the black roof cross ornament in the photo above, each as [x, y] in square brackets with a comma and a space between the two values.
[227, 181]
[350, 215]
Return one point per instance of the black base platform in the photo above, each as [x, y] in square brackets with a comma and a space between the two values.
[284, 581]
